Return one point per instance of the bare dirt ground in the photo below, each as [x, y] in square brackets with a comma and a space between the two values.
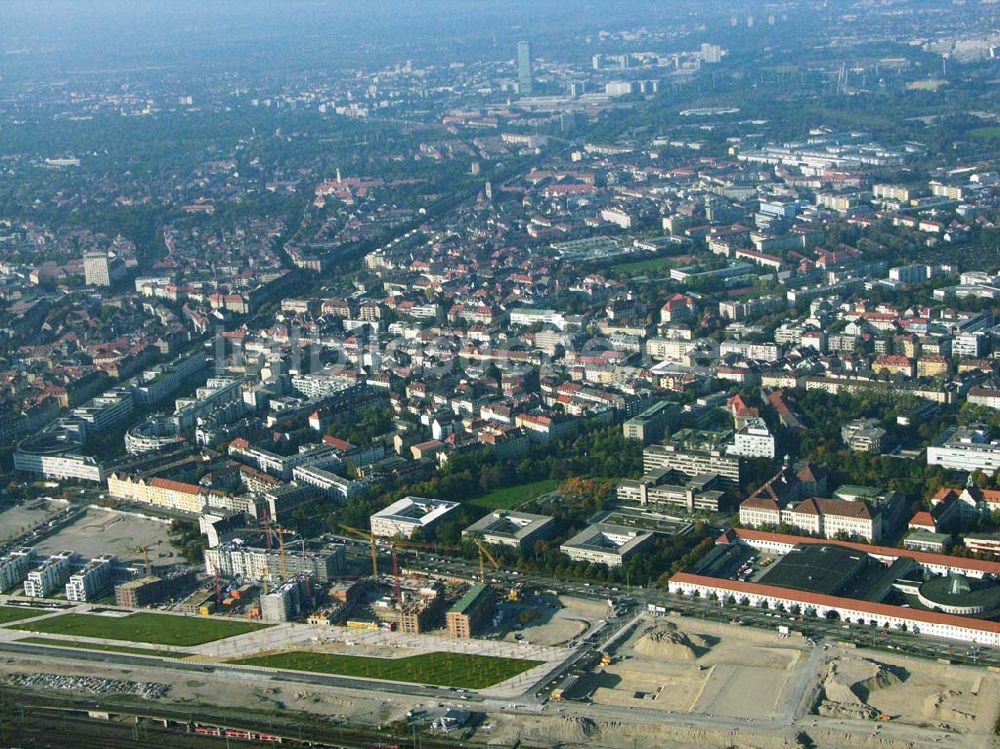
[561, 620]
[954, 699]
[679, 666]
[105, 532]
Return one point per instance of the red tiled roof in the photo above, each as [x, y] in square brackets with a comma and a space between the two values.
[922, 557]
[818, 599]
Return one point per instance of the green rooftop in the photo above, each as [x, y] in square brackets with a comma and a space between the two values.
[470, 599]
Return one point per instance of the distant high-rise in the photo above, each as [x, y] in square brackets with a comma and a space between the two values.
[96, 269]
[525, 69]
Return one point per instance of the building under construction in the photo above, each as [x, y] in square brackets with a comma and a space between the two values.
[466, 618]
[292, 599]
[412, 605]
[237, 559]
[150, 590]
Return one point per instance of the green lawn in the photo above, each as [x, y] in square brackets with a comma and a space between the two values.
[98, 646]
[985, 133]
[10, 614]
[643, 266]
[156, 629]
[439, 669]
[511, 496]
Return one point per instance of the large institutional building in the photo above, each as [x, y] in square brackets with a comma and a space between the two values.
[882, 587]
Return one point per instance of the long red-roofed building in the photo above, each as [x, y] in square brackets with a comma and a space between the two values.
[929, 622]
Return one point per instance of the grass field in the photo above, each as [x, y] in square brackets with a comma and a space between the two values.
[985, 133]
[511, 496]
[10, 614]
[440, 669]
[98, 646]
[156, 629]
[643, 266]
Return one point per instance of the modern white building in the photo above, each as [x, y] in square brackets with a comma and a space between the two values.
[56, 455]
[328, 482]
[965, 449]
[408, 515]
[106, 411]
[236, 559]
[769, 352]
[93, 581]
[14, 567]
[864, 435]
[529, 316]
[603, 543]
[50, 575]
[753, 440]
[509, 528]
[319, 455]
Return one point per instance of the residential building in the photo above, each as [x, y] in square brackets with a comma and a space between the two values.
[753, 440]
[236, 559]
[14, 567]
[50, 575]
[91, 582]
[864, 435]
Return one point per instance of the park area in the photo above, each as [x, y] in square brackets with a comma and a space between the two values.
[510, 497]
[437, 668]
[57, 643]
[156, 629]
[10, 614]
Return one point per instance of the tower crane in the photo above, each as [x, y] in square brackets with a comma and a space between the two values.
[371, 540]
[484, 553]
[144, 550]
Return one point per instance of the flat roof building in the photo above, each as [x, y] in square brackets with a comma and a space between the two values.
[471, 611]
[50, 575]
[510, 528]
[404, 517]
[603, 543]
[91, 582]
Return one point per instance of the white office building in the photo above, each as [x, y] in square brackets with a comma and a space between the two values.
[965, 449]
[753, 440]
[509, 528]
[603, 543]
[408, 515]
[329, 483]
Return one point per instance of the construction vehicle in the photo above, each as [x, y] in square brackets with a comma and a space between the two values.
[606, 659]
[557, 695]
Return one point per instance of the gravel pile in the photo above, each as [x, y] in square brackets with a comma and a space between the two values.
[90, 685]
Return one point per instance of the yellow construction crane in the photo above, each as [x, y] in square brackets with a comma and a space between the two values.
[484, 553]
[371, 540]
[144, 550]
[281, 533]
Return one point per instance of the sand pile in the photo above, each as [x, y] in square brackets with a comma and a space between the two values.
[936, 707]
[851, 680]
[854, 711]
[664, 641]
[570, 728]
